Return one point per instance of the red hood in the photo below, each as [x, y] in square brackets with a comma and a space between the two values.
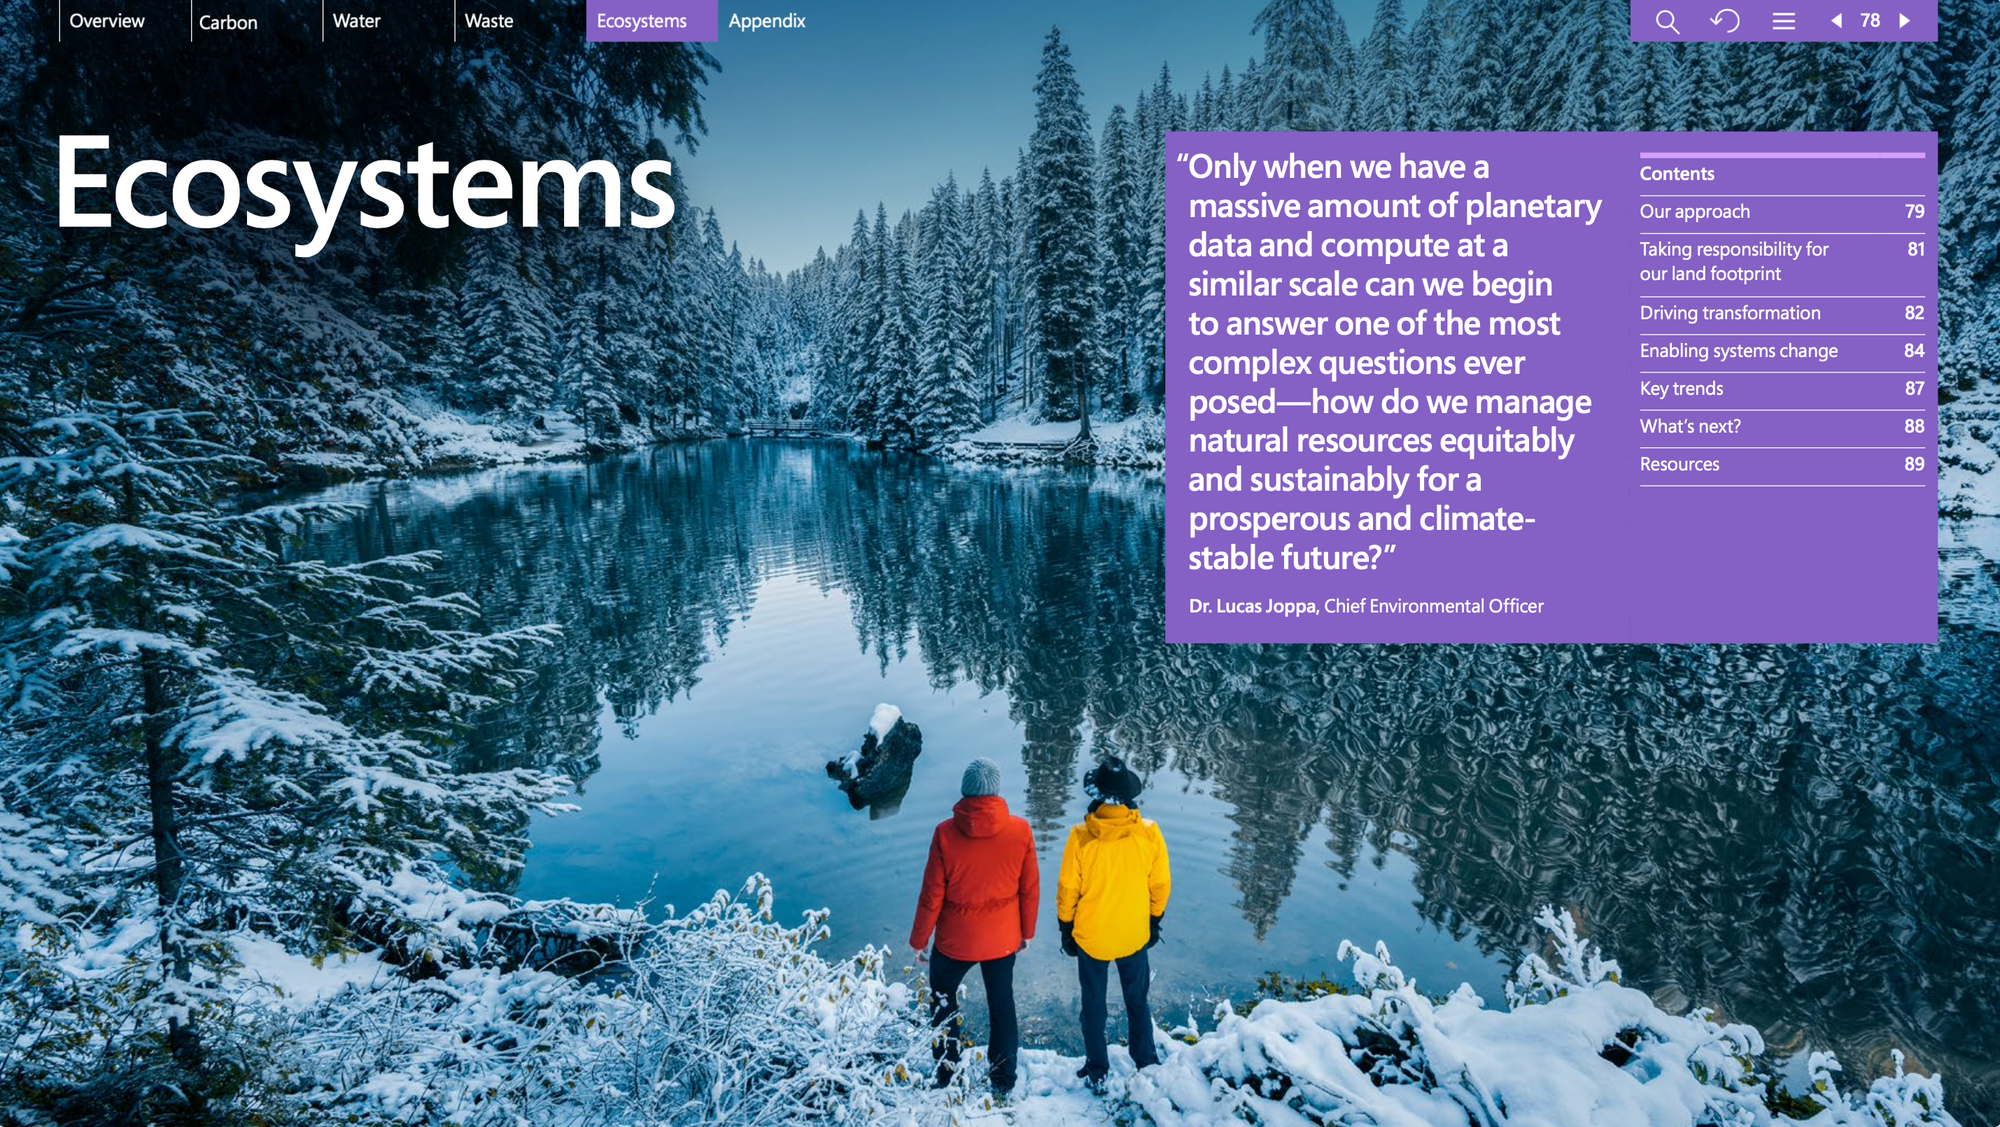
[980, 817]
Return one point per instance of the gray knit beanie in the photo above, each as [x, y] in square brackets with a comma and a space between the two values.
[981, 778]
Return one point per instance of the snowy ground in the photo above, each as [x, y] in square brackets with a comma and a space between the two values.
[1021, 429]
[1568, 1047]
[457, 439]
[1572, 1047]
[1136, 442]
[420, 437]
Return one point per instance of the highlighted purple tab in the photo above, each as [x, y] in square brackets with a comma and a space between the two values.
[651, 21]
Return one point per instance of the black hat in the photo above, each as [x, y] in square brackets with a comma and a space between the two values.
[1111, 781]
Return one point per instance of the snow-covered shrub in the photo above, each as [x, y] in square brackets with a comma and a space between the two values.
[1574, 1047]
[719, 1016]
[1900, 1099]
[1141, 442]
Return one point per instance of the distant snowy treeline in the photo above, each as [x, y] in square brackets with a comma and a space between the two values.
[1034, 292]
[1041, 293]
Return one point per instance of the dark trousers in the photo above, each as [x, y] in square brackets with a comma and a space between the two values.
[1004, 1050]
[1134, 978]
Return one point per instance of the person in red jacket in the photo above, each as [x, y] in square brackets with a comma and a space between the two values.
[981, 892]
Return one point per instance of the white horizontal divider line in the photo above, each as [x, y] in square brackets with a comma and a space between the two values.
[1785, 334]
[1774, 485]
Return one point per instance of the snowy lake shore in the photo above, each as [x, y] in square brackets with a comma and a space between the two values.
[725, 1015]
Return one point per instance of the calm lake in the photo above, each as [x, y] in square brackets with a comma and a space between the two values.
[1806, 838]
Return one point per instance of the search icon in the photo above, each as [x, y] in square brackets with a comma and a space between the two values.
[1665, 21]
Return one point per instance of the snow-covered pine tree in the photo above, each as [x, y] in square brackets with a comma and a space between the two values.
[1305, 70]
[442, 371]
[1201, 112]
[1425, 62]
[1677, 100]
[638, 301]
[1382, 86]
[1839, 69]
[1161, 115]
[1766, 94]
[1249, 104]
[1969, 188]
[870, 315]
[1535, 82]
[945, 404]
[587, 382]
[1707, 87]
[508, 327]
[1900, 86]
[721, 269]
[1650, 87]
[1482, 55]
[893, 353]
[222, 737]
[1120, 235]
[985, 295]
[1591, 36]
[1063, 230]
[1006, 239]
[1963, 335]
[848, 396]
[1027, 364]
[664, 359]
[732, 391]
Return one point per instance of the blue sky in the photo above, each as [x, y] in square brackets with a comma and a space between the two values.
[878, 99]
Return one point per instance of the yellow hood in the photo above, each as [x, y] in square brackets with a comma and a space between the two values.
[1109, 822]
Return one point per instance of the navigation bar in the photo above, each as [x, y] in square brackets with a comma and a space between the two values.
[194, 21]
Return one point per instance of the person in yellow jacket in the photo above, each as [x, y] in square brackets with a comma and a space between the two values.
[1110, 896]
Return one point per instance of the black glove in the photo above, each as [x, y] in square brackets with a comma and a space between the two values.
[1155, 937]
[1069, 940]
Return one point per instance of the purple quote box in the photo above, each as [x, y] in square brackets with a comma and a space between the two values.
[652, 21]
[1786, 398]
